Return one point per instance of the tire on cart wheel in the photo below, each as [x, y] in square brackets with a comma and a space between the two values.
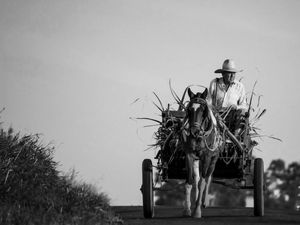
[147, 189]
[258, 182]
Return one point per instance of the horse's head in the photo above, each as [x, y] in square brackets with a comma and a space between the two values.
[198, 116]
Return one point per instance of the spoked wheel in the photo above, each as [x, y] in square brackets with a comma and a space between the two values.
[147, 189]
[258, 182]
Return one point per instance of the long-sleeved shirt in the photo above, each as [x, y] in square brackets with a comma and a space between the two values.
[220, 97]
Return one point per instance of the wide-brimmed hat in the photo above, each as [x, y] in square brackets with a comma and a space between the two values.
[228, 66]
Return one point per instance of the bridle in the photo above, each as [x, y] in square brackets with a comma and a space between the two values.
[196, 125]
[202, 135]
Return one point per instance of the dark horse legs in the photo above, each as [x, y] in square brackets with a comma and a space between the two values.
[207, 163]
[190, 158]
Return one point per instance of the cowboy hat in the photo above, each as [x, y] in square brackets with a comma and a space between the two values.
[228, 66]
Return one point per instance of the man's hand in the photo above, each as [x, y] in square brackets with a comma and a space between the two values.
[233, 107]
[242, 112]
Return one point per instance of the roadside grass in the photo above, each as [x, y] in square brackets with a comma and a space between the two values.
[33, 191]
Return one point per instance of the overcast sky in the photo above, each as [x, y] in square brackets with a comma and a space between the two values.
[71, 69]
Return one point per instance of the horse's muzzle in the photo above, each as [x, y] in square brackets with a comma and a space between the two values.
[195, 131]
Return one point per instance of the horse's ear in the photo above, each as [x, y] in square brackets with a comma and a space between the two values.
[191, 94]
[204, 94]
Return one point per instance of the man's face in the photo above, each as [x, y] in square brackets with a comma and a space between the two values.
[228, 77]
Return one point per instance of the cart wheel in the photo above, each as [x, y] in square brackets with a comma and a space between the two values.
[258, 182]
[147, 189]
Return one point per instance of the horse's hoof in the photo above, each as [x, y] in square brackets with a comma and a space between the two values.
[205, 203]
[197, 213]
[187, 213]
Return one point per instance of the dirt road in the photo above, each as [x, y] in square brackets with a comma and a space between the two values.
[133, 215]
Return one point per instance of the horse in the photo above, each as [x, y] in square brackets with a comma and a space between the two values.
[201, 143]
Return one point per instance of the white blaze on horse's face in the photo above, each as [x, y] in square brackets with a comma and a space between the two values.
[195, 106]
[195, 115]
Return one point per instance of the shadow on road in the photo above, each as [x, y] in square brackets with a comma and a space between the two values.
[133, 215]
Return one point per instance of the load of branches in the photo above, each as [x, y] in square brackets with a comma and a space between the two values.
[170, 122]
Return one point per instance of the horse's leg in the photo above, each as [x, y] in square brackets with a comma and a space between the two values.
[190, 168]
[187, 202]
[206, 167]
[188, 185]
[201, 186]
[196, 178]
[212, 159]
[205, 200]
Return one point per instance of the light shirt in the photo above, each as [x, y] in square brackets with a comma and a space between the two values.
[221, 98]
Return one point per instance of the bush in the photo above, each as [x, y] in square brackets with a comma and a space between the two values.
[32, 191]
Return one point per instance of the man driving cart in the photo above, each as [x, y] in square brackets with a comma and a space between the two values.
[227, 97]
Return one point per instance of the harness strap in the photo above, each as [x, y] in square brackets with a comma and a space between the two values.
[216, 142]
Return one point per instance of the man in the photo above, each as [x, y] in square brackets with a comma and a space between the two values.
[228, 95]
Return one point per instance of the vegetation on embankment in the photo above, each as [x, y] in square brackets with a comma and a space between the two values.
[33, 191]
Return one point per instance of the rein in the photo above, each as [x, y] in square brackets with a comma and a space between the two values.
[215, 143]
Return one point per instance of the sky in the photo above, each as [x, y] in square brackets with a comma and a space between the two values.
[72, 71]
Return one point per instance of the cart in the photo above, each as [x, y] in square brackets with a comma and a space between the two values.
[235, 164]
